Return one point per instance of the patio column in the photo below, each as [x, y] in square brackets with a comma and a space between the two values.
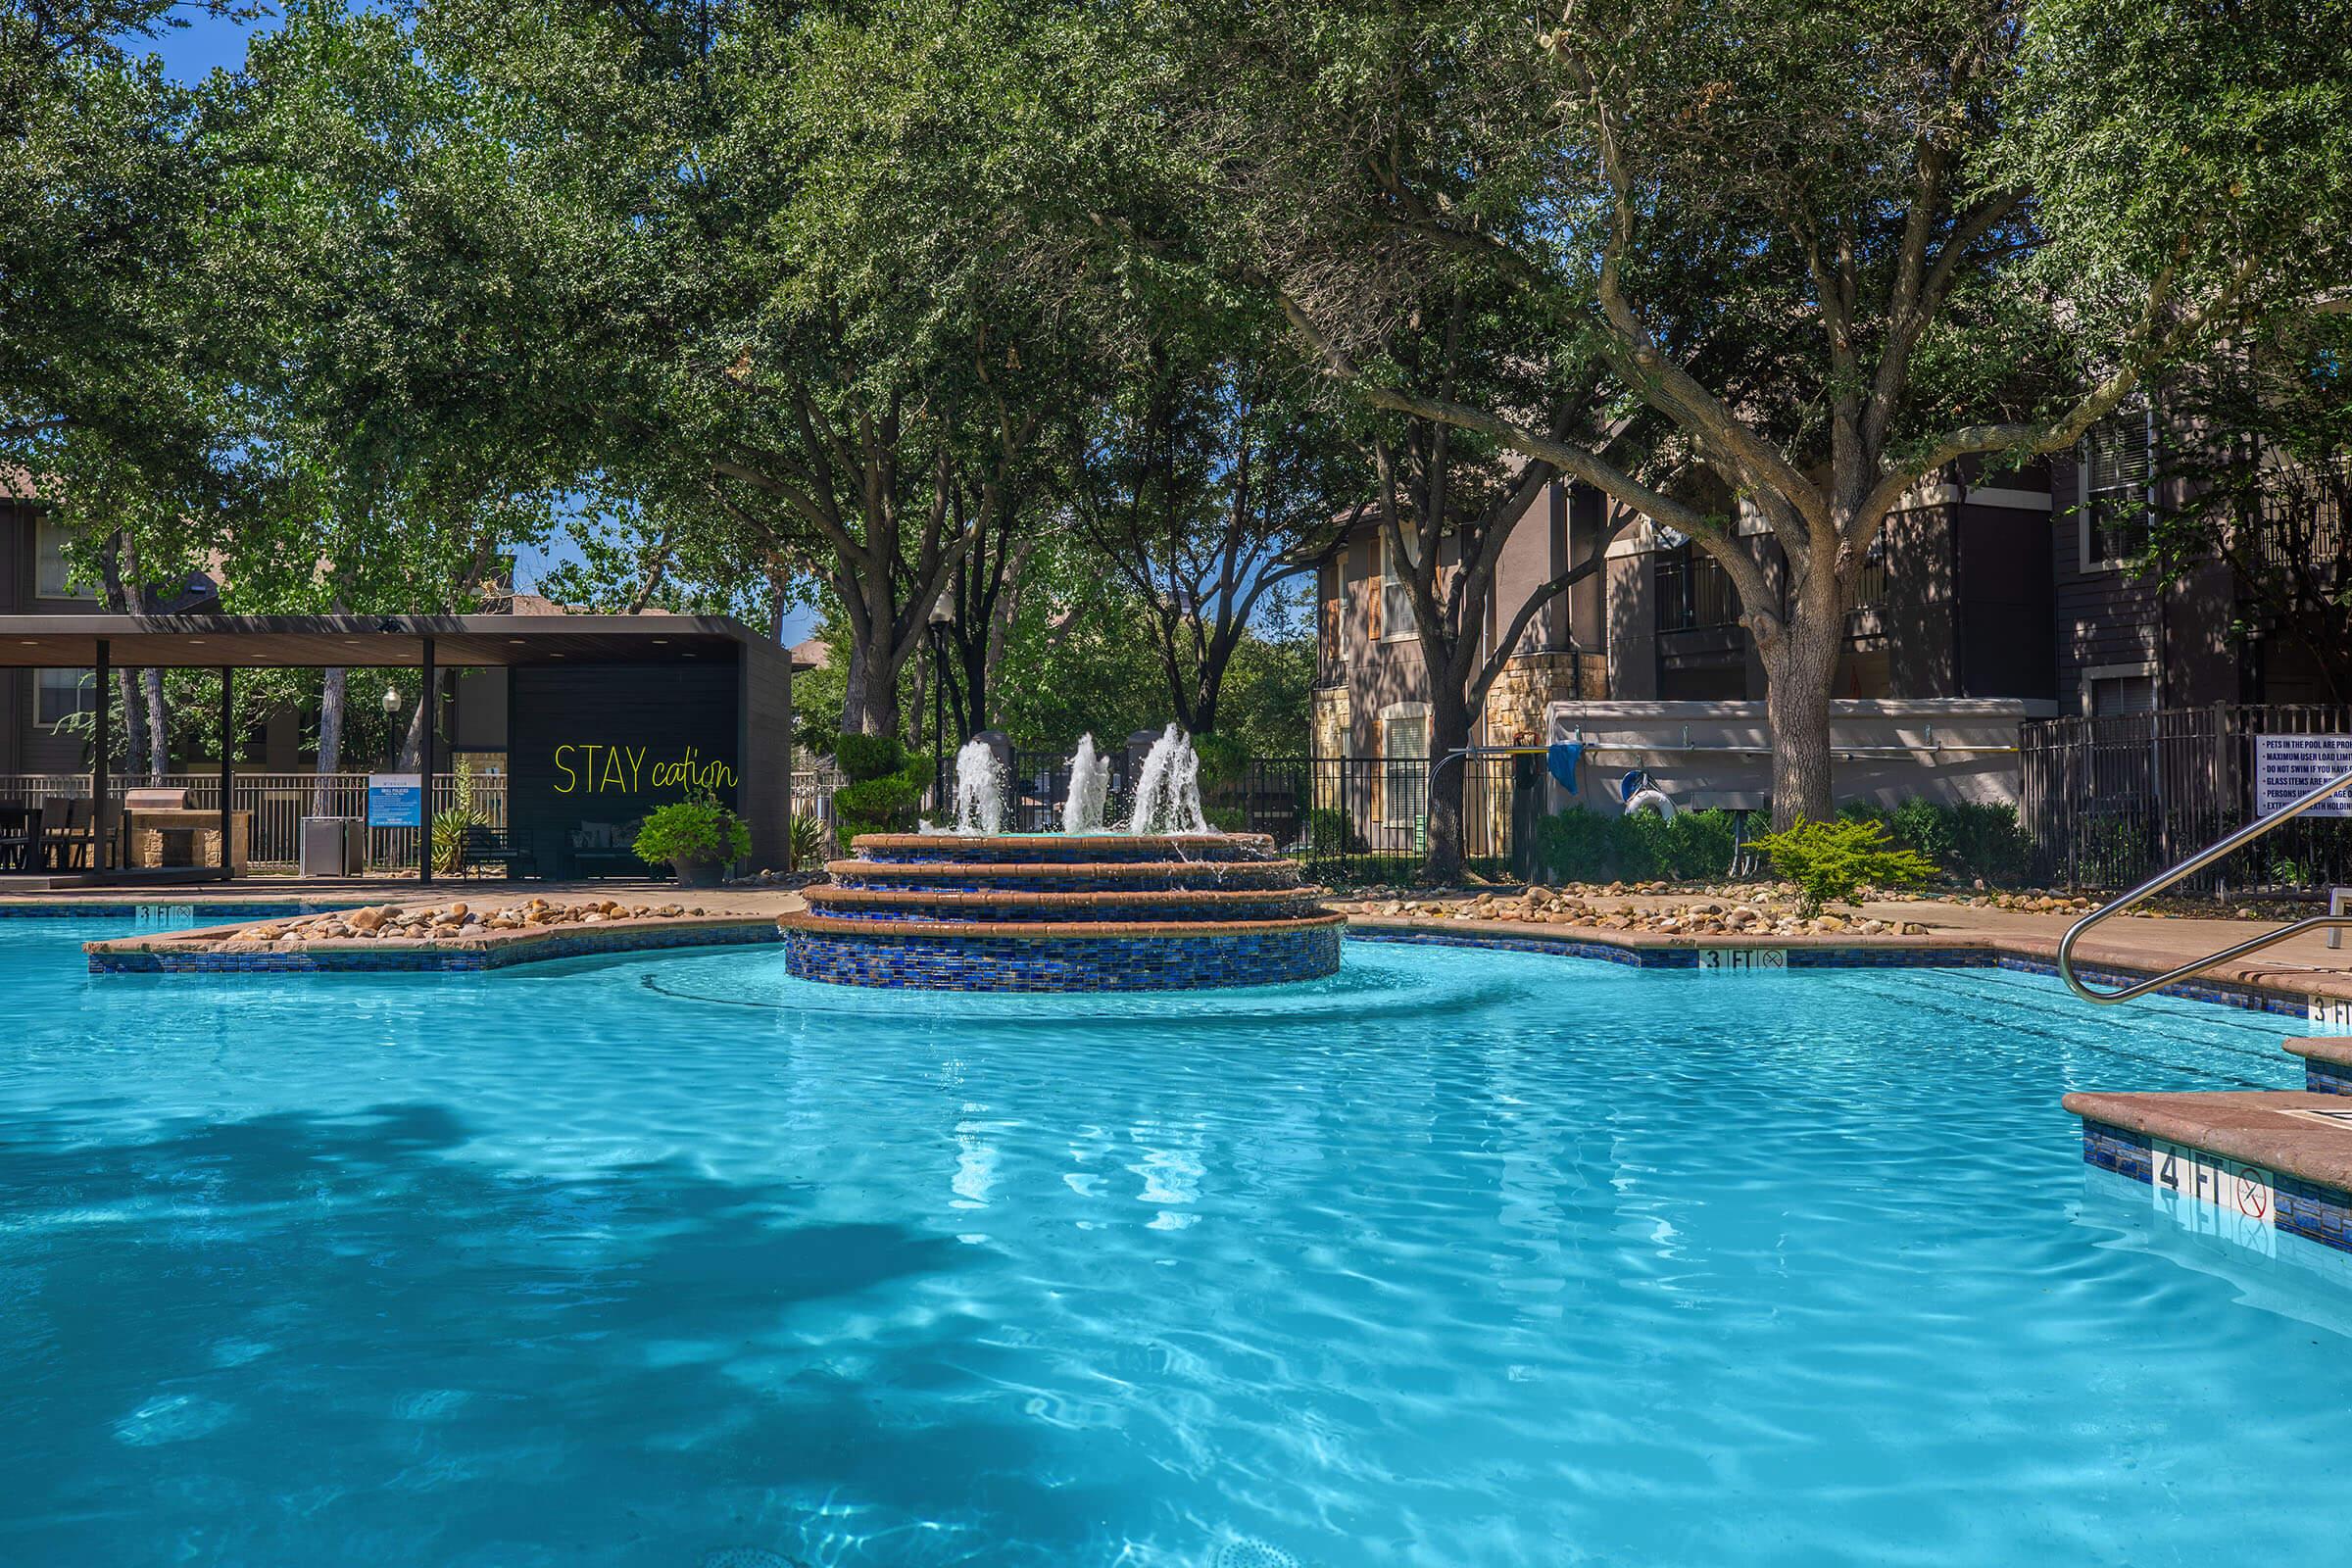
[425, 796]
[99, 758]
[229, 768]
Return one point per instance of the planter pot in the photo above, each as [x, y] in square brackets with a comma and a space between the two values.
[697, 874]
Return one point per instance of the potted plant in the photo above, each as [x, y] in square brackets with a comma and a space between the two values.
[697, 836]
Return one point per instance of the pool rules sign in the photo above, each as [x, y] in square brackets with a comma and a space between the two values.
[2287, 767]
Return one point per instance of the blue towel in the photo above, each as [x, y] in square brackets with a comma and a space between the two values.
[1566, 756]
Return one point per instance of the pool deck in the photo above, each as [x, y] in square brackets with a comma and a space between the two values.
[2284, 979]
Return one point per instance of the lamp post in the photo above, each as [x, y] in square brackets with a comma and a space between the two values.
[943, 616]
[392, 707]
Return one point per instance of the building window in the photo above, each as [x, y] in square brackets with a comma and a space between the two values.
[1332, 586]
[2117, 480]
[1396, 623]
[1404, 765]
[59, 694]
[2110, 690]
[1694, 592]
[51, 575]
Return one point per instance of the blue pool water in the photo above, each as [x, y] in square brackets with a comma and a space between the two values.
[1457, 1258]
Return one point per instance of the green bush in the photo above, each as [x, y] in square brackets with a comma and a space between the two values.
[695, 828]
[808, 839]
[1329, 830]
[868, 756]
[1833, 861]
[1580, 845]
[1970, 839]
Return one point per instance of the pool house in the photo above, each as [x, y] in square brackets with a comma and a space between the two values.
[571, 728]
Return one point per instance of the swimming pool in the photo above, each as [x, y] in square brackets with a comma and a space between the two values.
[1457, 1257]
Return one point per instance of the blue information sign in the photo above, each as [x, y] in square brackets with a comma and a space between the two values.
[395, 800]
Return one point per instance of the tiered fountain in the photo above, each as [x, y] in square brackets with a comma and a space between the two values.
[1161, 904]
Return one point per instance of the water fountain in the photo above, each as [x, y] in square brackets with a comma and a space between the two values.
[1088, 799]
[1166, 903]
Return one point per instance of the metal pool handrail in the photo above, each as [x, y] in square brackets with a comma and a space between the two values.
[2197, 861]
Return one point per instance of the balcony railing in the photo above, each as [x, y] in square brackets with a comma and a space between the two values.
[1694, 593]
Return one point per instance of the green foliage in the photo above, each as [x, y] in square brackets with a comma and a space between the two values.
[1970, 839]
[1833, 861]
[450, 825]
[1580, 845]
[868, 756]
[695, 828]
[1332, 830]
[886, 787]
[808, 841]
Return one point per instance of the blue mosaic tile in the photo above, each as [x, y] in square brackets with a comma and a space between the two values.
[975, 962]
[2327, 1077]
[2316, 1213]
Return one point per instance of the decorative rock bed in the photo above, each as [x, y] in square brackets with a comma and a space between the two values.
[445, 921]
[1110, 912]
[1754, 913]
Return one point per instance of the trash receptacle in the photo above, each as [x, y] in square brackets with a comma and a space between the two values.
[330, 846]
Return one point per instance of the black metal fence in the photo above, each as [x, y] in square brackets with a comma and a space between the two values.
[2109, 802]
[1366, 819]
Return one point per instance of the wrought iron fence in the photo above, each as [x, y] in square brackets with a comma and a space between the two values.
[1366, 819]
[277, 803]
[2109, 802]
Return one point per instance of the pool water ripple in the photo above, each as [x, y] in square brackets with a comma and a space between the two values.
[1455, 1258]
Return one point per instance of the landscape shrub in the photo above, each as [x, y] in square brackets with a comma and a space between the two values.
[1831, 861]
[695, 828]
[1329, 830]
[1972, 839]
[1580, 845]
[886, 785]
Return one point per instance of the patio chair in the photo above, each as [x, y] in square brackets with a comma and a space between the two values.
[20, 831]
[69, 842]
[487, 846]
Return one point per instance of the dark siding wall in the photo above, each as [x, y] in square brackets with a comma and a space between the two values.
[656, 710]
[766, 750]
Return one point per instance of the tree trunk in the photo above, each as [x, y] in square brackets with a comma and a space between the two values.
[1799, 667]
[1449, 732]
[134, 724]
[332, 689]
[869, 703]
[412, 747]
[159, 725]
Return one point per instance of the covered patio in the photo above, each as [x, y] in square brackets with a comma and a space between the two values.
[598, 718]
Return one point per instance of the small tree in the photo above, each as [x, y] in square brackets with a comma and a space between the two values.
[1831, 861]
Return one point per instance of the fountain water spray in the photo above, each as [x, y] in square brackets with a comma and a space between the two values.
[979, 806]
[1167, 793]
[1090, 790]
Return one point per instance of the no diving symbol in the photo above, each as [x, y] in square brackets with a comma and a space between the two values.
[2253, 1197]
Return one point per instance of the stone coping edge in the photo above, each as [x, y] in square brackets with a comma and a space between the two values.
[898, 898]
[2250, 1126]
[1039, 841]
[991, 871]
[173, 952]
[1050, 931]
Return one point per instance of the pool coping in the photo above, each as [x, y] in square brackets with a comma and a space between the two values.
[216, 950]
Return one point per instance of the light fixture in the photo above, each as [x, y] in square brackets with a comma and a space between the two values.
[391, 702]
[513, 642]
[661, 642]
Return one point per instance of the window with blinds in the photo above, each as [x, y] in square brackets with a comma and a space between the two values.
[1405, 769]
[1396, 621]
[2118, 488]
[2111, 695]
